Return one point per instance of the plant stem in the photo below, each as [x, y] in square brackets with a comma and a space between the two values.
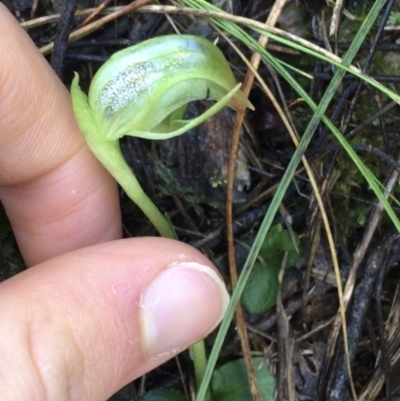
[199, 357]
[110, 155]
[199, 361]
[136, 193]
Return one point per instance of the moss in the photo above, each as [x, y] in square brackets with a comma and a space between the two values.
[352, 200]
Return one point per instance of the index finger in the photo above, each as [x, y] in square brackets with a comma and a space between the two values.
[57, 196]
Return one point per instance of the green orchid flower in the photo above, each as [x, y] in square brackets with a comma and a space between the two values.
[143, 91]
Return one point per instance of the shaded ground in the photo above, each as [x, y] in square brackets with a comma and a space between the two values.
[186, 177]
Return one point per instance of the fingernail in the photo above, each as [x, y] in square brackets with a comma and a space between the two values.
[180, 306]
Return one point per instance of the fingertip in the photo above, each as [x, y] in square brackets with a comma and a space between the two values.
[180, 306]
[123, 307]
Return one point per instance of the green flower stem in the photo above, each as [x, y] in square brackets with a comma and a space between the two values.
[119, 169]
[198, 351]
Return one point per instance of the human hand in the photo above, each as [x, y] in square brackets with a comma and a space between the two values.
[85, 319]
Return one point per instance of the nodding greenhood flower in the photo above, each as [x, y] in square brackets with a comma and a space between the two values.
[143, 91]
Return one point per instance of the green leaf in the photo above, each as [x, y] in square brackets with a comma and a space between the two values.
[261, 289]
[163, 394]
[230, 383]
[276, 243]
[394, 18]
[271, 246]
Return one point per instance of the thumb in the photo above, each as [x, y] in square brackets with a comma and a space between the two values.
[84, 324]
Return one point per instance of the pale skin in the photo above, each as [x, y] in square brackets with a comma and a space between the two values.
[93, 312]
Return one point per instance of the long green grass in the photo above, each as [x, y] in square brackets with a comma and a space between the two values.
[319, 110]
